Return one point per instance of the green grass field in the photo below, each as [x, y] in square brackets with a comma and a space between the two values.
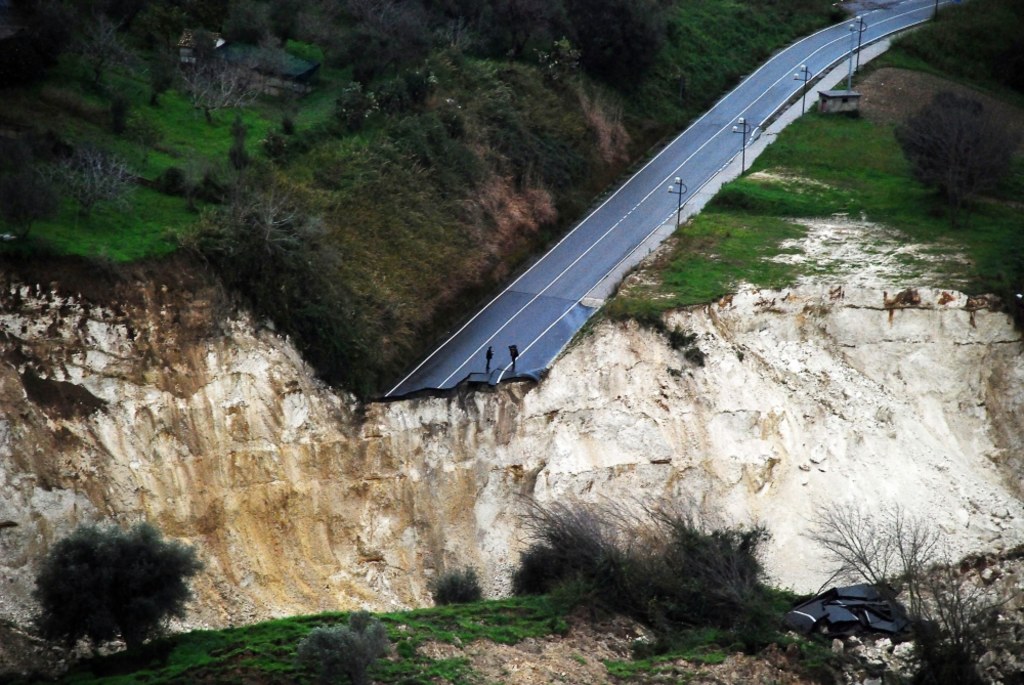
[265, 652]
[821, 166]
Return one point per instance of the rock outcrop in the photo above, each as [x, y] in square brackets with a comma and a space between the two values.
[158, 401]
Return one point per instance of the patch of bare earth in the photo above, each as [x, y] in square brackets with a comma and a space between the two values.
[861, 254]
[890, 95]
[578, 658]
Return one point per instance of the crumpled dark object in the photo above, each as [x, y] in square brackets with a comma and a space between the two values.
[844, 611]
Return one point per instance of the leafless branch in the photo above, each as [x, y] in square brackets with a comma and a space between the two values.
[214, 84]
[92, 175]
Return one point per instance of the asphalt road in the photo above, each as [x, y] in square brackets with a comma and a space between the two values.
[543, 308]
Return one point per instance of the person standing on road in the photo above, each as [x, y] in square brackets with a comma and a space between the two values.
[513, 352]
[490, 356]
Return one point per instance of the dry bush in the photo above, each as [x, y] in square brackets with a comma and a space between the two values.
[605, 122]
[663, 565]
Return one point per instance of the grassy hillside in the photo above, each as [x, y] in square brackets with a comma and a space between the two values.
[824, 165]
[413, 181]
[266, 652]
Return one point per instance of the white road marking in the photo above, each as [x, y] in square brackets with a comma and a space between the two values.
[629, 181]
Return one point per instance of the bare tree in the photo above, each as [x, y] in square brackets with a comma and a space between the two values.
[955, 145]
[92, 175]
[101, 47]
[951, 613]
[215, 84]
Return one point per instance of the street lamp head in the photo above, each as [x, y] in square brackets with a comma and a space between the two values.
[679, 181]
[741, 120]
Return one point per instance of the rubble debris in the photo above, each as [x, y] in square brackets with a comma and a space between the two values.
[847, 611]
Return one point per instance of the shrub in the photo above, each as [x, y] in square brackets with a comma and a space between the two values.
[354, 105]
[26, 197]
[101, 583]
[335, 651]
[275, 146]
[456, 587]
[662, 566]
[172, 181]
[393, 97]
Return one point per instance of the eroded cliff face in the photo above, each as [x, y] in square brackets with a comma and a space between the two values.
[158, 401]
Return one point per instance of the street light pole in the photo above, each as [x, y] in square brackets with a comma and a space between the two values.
[679, 188]
[861, 26]
[935, 14]
[742, 126]
[804, 73]
[849, 72]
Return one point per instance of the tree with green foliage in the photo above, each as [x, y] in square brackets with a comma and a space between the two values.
[101, 583]
[334, 652]
[515, 23]
[955, 145]
[247, 22]
[618, 39]
[119, 107]
[26, 197]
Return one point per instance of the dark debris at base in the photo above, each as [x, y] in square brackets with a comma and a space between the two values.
[844, 611]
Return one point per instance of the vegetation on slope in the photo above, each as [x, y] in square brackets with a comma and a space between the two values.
[719, 605]
[824, 165]
[266, 652]
[444, 143]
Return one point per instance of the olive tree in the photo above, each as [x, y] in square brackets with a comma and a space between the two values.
[101, 583]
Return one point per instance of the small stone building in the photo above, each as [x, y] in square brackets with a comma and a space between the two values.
[276, 71]
[187, 45]
[835, 101]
